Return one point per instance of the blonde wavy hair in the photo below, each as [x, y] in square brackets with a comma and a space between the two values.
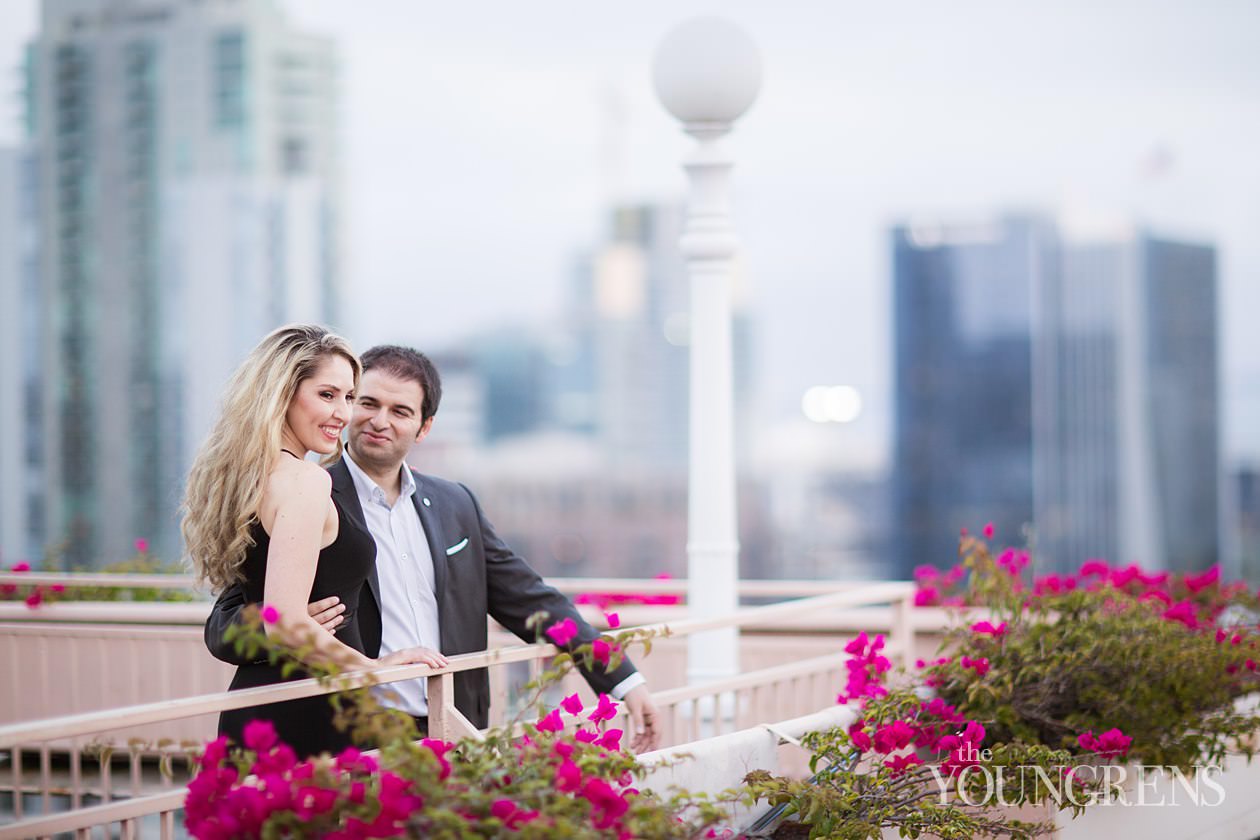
[225, 484]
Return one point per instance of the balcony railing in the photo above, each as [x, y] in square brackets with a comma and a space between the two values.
[71, 772]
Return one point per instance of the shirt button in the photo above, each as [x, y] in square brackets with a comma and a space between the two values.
[404, 557]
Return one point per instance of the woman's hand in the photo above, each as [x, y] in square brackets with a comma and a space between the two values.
[414, 656]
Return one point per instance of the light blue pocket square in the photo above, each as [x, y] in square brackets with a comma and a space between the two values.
[458, 547]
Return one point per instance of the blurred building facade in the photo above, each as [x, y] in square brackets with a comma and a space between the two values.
[189, 203]
[1245, 481]
[580, 449]
[21, 417]
[1059, 383]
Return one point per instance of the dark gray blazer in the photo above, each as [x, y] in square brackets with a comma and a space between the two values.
[482, 576]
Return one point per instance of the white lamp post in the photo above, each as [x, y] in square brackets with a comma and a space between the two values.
[707, 73]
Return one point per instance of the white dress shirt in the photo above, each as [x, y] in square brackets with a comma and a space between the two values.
[404, 565]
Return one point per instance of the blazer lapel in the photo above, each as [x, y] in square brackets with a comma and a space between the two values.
[423, 499]
[347, 496]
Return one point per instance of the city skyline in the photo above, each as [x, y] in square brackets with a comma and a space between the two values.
[485, 143]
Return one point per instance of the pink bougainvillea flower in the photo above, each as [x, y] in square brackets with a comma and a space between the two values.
[270, 615]
[35, 598]
[21, 567]
[900, 763]
[586, 736]
[279, 759]
[893, 736]
[562, 632]
[987, 628]
[260, 735]
[1156, 595]
[1184, 613]
[142, 545]
[1197, 583]
[607, 805]
[1013, 561]
[979, 664]
[857, 646]
[572, 704]
[311, 801]
[989, 530]
[859, 737]
[1111, 744]
[568, 777]
[58, 588]
[550, 722]
[610, 740]
[510, 814]
[927, 596]
[214, 753]
[939, 708]
[1094, 567]
[439, 748]
[926, 573]
[613, 619]
[605, 710]
[601, 651]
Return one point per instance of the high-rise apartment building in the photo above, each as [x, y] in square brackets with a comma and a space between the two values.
[189, 203]
[1056, 379]
[21, 426]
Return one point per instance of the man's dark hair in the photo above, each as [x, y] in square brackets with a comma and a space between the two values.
[406, 363]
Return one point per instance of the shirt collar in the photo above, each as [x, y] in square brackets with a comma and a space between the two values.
[369, 490]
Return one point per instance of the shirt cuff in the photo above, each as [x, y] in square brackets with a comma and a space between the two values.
[621, 689]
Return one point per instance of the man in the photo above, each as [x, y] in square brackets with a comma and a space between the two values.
[440, 567]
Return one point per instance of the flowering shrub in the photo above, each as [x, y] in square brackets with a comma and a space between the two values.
[564, 775]
[604, 599]
[915, 765]
[33, 594]
[142, 562]
[1068, 673]
[1163, 657]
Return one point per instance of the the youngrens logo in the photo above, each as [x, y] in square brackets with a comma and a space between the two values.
[980, 783]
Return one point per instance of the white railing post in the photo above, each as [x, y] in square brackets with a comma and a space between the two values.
[902, 629]
[707, 73]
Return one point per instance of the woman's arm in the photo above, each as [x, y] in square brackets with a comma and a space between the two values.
[298, 499]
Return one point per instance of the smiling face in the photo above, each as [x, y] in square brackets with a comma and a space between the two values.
[320, 409]
[386, 421]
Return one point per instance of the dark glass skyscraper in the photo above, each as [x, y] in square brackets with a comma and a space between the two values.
[1061, 386]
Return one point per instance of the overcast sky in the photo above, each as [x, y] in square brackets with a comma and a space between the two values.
[478, 160]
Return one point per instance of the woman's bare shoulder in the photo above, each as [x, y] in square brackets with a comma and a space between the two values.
[294, 484]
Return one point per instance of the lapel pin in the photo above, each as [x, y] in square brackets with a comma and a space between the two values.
[426, 501]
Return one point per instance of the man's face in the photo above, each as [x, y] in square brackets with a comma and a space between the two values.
[386, 420]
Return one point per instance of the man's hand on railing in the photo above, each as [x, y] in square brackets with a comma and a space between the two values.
[327, 613]
[414, 656]
[643, 713]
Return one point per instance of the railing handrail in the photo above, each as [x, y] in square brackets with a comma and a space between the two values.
[612, 586]
[91, 722]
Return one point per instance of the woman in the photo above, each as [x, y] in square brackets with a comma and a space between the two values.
[257, 512]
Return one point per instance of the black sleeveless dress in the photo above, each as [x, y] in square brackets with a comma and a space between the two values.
[343, 568]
